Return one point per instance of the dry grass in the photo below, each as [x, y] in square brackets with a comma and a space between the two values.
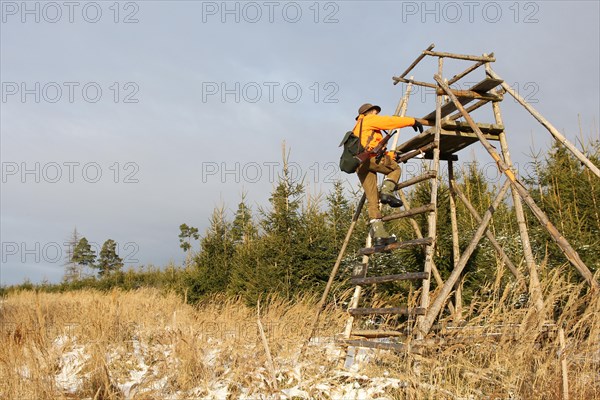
[146, 345]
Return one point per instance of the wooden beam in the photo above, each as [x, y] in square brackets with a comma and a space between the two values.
[455, 240]
[389, 278]
[416, 179]
[473, 95]
[467, 71]
[465, 127]
[460, 56]
[470, 109]
[417, 60]
[562, 242]
[397, 245]
[387, 311]
[397, 79]
[534, 282]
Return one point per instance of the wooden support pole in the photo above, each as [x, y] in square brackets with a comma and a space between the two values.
[334, 271]
[436, 274]
[455, 240]
[357, 291]
[489, 58]
[467, 71]
[569, 252]
[398, 79]
[270, 364]
[442, 296]
[472, 108]
[488, 234]
[563, 364]
[432, 217]
[418, 59]
[557, 135]
[534, 282]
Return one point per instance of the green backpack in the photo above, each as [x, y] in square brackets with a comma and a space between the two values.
[349, 163]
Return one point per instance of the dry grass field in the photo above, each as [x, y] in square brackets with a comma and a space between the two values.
[149, 345]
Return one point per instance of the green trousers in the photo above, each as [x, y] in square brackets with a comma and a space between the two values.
[367, 174]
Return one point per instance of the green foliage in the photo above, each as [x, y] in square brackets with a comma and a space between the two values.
[290, 246]
[570, 195]
[83, 253]
[186, 234]
[109, 262]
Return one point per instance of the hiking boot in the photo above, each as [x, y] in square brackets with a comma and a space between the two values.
[379, 235]
[387, 194]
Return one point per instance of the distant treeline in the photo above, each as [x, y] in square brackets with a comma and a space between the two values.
[290, 245]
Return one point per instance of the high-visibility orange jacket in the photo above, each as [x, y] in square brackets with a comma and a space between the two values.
[372, 124]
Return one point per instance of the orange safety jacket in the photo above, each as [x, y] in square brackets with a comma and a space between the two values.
[372, 124]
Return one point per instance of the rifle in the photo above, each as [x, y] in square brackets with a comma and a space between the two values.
[378, 151]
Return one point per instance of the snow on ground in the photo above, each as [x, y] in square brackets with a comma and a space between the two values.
[140, 373]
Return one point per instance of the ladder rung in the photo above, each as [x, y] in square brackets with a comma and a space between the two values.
[387, 310]
[409, 213]
[390, 278]
[374, 334]
[379, 345]
[416, 179]
[398, 245]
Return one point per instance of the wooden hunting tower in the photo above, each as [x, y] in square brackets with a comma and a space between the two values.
[445, 137]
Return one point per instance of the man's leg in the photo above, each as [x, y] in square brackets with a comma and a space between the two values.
[391, 170]
[368, 179]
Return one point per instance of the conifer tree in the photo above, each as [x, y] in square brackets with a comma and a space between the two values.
[108, 261]
[83, 253]
[213, 262]
[186, 234]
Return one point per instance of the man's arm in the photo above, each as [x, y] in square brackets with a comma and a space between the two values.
[379, 122]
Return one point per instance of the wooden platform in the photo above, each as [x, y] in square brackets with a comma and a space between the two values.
[455, 135]
[451, 141]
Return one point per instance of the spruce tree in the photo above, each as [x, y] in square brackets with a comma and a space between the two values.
[213, 262]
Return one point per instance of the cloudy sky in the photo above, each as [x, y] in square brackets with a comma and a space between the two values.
[126, 119]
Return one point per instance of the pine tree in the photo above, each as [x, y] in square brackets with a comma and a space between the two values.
[109, 261]
[187, 233]
[83, 253]
[72, 268]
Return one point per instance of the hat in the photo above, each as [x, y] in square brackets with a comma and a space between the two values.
[366, 107]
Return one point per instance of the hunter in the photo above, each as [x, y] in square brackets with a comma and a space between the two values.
[370, 124]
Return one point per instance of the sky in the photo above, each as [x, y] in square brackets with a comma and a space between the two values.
[126, 119]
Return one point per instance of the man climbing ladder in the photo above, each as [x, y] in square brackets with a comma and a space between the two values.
[368, 128]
